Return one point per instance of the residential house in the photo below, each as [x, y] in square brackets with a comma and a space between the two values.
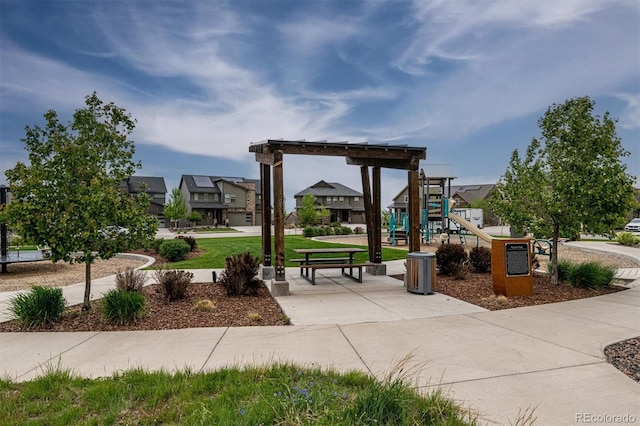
[235, 201]
[155, 189]
[344, 204]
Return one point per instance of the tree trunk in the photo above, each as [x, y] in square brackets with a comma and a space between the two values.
[87, 285]
[554, 254]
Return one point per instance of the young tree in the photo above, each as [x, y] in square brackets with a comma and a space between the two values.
[572, 180]
[307, 213]
[176, 208]
[68, 196]
[194, 217]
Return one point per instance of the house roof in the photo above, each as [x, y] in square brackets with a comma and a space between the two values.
[470, 193]
[154, 184]
[202, 183]
[324, 189]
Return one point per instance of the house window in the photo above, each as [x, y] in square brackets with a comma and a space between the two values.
[216, 197]
[356, 200]
[229, 198]
[328, 200]
[335, 200]
[206, 196]
[195, 196]
[341, 199]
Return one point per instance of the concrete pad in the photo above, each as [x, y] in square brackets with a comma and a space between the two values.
[567, 396]
[317, 346]
[456, 348]
[602, 310]
[580, 334]
[412, 306]
[26, 354]
[117, 351]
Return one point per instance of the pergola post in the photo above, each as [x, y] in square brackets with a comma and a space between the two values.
[278, 214]
[377, 217]
[265, 189]
[414, 211]
[368, 210]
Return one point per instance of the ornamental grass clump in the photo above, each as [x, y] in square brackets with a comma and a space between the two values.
[591, 275]
[627, 239]
[123, 307]
[40, 307]
[240, 275]
[130, 279]
[173, 283]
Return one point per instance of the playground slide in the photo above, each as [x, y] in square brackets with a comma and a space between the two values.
[471, 227]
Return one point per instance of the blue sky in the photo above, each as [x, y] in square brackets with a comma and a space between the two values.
[204, 79]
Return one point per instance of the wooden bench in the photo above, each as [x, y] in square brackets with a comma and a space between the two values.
[350, 266]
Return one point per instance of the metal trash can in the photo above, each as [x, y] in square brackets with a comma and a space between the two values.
[421, 272]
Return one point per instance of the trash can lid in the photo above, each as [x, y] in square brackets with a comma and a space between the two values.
[419, 254]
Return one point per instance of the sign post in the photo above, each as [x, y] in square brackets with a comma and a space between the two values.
[511, 267]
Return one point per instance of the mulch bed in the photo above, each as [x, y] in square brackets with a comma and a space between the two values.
[260, 310]
[477, 289]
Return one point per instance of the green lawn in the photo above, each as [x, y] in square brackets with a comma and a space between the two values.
[274, 395]
[216, 250]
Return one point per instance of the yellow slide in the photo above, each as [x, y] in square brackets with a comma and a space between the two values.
[471, 227]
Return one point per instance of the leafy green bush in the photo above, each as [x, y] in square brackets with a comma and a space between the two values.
[174, 250]
[154, 245]
[189, 240]
[564, 269]
[591, 275]
[627, 239]
[123, 307]
[130, 279]
[480, 258]
[173, 283]
[41, 306]
[240, 275]
[449, 257]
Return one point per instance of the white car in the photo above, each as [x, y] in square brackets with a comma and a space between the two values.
[633, 226]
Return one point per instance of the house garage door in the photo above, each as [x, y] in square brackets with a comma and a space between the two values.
[239, 219]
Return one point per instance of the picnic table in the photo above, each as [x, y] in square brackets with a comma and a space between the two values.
[345, 262]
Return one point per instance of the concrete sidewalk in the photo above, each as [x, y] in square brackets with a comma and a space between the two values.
[548, 358]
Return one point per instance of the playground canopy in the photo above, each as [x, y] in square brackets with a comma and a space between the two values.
[270, 154]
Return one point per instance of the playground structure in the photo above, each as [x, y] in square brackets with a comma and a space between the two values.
[15, 256]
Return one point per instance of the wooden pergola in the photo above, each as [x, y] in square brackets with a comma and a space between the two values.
[270, 154]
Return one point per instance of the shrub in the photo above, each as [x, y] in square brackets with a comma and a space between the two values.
[480, 258]
[564, 269]
[591, 275]
[449, 257]
[123, 307]
[41, 306]
[174, 250]
[173, 283]
[153, 245]
[627, 239]
[130, 280]
[189, 240]
[240, 275]
[346, 230]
